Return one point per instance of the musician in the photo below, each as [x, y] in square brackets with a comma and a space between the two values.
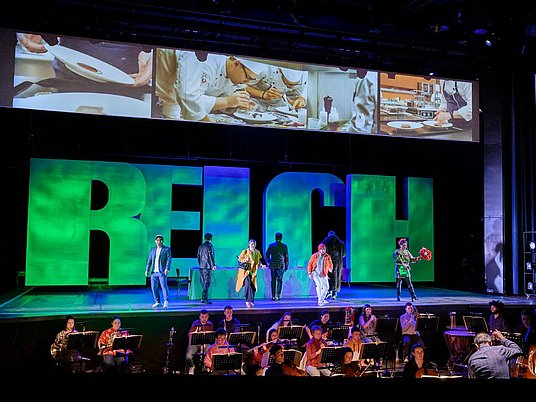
[497, 320]
[229, 323]
[313, 349]
[408, 325]
[492, 361]
[323, 321]
[281, 368]
[418, 364]
[284, 321]
[527, 329]
[202, 324]
[58, 349]
[112, 358]
[367, 322]
[276, 368]
[220, 346]
[403, 259]
[354, 342]
[349, 367]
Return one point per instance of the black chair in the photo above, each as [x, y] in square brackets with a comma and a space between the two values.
[182, 280]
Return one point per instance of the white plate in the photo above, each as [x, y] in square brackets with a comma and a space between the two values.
[91, 103]
[286, 110]
[404, 125]
[256, 117]
[88, 66]
[435, 124]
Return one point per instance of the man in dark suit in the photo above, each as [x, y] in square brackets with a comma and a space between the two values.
[207, 264]
[336, 248]
[158, 265]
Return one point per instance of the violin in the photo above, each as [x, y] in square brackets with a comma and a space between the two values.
[424, 371]
[292, 370]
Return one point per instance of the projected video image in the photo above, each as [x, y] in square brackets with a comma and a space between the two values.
[83, 76]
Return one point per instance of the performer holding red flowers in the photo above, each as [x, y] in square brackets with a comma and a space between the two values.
[403, 259]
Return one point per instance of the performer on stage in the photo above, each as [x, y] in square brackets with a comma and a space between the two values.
[247, 278]
[318, 267]
[158, 266]
[207, 264]
[336, 249]
[403, 259]
[277, 259]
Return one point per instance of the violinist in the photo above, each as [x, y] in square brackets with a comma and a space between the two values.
[349, 367]
[418, 364]
[281, 368]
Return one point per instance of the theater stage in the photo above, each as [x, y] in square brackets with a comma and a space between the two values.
[30, 317]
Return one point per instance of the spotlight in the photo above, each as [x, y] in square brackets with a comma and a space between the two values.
[532, 245]
[530, 286]
[529, 266]
[480, 31]
[488, 43]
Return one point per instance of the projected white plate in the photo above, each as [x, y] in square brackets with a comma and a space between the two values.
[91, 103]
[404, 125]
[256, 117]
[435, 124]
[286, 110]
[88, 66]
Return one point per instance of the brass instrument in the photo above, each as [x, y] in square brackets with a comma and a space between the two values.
[349, 316]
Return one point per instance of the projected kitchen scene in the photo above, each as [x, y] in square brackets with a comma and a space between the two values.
[413, 106]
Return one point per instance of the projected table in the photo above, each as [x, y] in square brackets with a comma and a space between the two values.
[296, 283]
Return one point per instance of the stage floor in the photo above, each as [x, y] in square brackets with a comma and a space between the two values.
[35, 302]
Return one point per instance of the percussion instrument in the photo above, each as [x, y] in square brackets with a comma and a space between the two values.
[460, 345]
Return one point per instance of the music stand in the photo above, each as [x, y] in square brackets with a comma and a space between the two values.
[238, 338]
[227, 362]
[127, 343]
[339, 333]
[331, 356]
[373, 350]
[290, 356]
[475, 324]
[82, 340]
[203, 338]
[290, 332]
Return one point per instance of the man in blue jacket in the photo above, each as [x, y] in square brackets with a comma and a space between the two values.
[158, 265]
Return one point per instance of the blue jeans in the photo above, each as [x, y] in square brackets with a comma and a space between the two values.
[159, 280]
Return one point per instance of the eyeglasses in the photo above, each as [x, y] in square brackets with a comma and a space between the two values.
[248, 78]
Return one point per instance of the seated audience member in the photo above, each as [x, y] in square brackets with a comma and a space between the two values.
[202, 324]
[492, 361]
[418, 364]
[221, 346]
[313, 349]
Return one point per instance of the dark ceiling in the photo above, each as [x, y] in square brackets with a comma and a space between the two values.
[461, 37]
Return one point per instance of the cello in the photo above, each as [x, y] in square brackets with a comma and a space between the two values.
[525, 366]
